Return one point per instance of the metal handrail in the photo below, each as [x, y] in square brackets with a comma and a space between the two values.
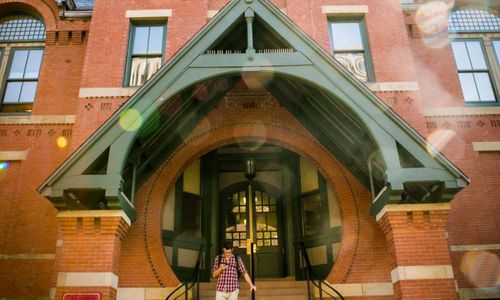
[188, 284]
[311, 277]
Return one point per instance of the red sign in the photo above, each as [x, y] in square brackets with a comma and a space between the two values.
[82, 296]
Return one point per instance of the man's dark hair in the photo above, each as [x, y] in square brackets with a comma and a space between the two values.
[227, 245]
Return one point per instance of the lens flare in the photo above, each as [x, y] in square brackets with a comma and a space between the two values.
[61, 142]
[200, 92]
[257, 80]
[432, 22]
[482, 268]
[438, 140]
[258, 138]
[4, 165]
[130, 120]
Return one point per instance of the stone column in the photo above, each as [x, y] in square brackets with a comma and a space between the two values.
[88, 252]
[416, 238]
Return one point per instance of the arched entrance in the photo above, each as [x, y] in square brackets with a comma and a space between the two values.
[289, 198]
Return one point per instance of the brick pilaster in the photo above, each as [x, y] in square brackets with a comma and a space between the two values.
[419, 249]
[88, 252]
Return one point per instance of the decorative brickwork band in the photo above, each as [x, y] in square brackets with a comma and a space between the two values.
[88, 252]
[417, 242]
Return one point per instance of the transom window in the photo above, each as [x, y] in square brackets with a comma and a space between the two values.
[21, 28]
[146, 53]
[473, 20]
[473, 71]
[350, 47]
[21, 52]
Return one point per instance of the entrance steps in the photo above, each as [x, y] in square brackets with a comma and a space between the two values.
[267, 289]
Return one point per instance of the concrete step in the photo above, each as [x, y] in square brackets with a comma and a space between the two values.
[287, 297]
[276, 288]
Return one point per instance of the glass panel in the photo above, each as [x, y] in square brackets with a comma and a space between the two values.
[33, 65]
[261, 222]
[274, 234]
[476, 56]
[267, 243]
[155, 40]
[12, 92]
[235, 199]
[267, 235]
[142, 69]
[236, 236]
[354, 63]
[484, 87]
[265, 199]
[272, 224]
[461, 56]
[141, 36]
[265, 208]
[228, 236]
[191, 215]
[496, 47]
[346, 36]
[312, 214]
[260, 235]
[308, 176]
[243, 235]
[243, 208]
[18, 64]
[274, 242]
[273, 200]
[28, 92]
[192, 178]
[258, 198]
[258, 209]
[235, 209]
[260, 243]
[468, 87]
[243, 198]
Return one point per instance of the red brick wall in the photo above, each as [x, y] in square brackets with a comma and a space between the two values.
[27, 220]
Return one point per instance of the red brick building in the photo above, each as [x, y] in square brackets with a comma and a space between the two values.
[137, 136]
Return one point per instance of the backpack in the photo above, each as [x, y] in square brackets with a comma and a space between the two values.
[236, 259]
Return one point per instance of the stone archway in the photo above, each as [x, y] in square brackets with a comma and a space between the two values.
[150, 200]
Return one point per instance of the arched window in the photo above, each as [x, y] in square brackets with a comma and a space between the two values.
[477, 68]
[22, 40]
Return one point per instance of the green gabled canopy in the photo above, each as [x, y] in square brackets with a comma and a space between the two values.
[377, 146]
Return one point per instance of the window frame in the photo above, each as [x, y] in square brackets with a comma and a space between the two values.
[133, 25]
[489, 70]
[10, 49]
[360, 20]
[497, 55]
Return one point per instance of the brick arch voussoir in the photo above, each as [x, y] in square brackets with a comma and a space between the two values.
[299, 142]
[48, 12]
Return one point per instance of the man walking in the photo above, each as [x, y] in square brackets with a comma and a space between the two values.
[226, 269]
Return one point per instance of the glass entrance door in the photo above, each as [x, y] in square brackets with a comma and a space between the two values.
[267, 226]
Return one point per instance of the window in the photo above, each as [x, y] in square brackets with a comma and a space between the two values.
[474, 30]
[350, 47]
[146, 51]
[473, 71]
[22, 77]
[20, 62]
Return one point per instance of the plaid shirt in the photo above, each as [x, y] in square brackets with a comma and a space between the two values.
[228, 279]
